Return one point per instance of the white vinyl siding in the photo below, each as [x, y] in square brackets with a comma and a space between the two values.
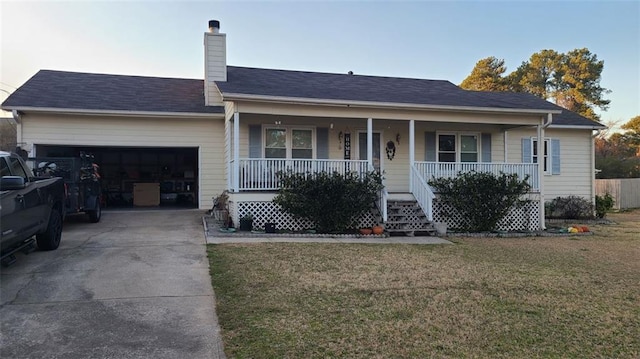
[206, 134]
[576, 174]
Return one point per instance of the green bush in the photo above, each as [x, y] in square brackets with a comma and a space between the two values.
[481, 198]
[603, 205]
[331, 201]
[571, 207]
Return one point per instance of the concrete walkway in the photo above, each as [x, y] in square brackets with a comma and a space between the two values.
[215, 236]
[135, 285]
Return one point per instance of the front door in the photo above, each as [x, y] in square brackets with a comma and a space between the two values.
[362, 149]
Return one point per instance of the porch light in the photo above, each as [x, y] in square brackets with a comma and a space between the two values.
[340, 136]
[398, 138]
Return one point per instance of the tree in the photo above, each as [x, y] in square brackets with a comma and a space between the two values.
[539, 75]
[617, 153]
[571, 80]
[486, 76]
[633, 132]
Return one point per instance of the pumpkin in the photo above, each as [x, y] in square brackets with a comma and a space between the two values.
[378, 229]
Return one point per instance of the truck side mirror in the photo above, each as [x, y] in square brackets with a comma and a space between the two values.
[11, 183]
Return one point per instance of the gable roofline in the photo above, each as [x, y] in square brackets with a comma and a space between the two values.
[75, 111]
[377, 104]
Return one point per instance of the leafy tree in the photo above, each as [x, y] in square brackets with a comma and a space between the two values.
[571, 80]
[633, 132]
[539, 75]
[617, 153]
[486, 76]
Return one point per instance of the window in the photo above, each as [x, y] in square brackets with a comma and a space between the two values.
[549, 158]
[468, 148]
[275, 143]
[301, 144]
[4, 168]
[16, 168]
[453, 147]
[288, 143]
[546, 159]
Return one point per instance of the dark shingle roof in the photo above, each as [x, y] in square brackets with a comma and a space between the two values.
[315, 85]
[344, 87]
[73, 90]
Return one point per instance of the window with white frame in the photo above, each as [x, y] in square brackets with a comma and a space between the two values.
[458, 147]
[546, 158]
[288, 143]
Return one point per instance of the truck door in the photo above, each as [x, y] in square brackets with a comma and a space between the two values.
[12, 209]
[33, 206]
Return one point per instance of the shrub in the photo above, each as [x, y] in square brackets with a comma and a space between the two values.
[331, 201]
[571, 207]
[482, 198]
[603, 205]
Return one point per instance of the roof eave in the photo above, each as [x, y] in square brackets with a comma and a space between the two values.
[74, 111]
[408, 106]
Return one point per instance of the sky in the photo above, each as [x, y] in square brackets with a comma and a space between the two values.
[418, 39]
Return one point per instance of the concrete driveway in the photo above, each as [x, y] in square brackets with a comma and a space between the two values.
[135, 285]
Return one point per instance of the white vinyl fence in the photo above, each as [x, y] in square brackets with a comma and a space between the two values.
[625, 191]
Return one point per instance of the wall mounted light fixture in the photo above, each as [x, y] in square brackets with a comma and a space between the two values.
[398, 138]
[340, 136]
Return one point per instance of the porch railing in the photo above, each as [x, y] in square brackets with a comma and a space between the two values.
[261, 174]
[430, 170]
[422, 192]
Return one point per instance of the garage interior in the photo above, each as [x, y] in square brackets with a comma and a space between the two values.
[140, 176]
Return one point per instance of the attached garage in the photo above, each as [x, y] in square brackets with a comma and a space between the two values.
[174, 155]
[141, 130]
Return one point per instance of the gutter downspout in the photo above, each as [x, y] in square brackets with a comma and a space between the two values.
[593, 167]
[541, 129]
[17, 117]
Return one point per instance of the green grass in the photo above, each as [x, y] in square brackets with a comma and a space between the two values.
[482, 298]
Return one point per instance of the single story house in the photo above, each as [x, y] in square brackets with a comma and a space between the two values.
[239, 126]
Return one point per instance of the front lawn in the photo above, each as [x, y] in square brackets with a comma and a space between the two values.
[525, 297]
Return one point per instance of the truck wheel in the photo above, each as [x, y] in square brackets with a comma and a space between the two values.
[94, 216]
[50, 239]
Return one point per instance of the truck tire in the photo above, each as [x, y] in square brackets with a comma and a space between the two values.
[50, 239]
[94, 215]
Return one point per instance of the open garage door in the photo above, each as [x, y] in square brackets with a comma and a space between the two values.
[140, 176]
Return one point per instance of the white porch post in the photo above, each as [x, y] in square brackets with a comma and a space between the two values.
[236, 152]
[370, 141]
[228, 157]
[540, 144]
[505, 140]
[412, 149]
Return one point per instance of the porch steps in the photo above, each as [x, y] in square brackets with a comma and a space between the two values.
[406, 217]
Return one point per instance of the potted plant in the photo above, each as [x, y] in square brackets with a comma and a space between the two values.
[270, 227]
[365, 231]
[377, 229]
[246, 222]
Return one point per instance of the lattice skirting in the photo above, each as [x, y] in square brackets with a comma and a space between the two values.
[519, 219]
[269, 212]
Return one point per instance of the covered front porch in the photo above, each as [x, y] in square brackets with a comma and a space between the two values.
[409, 152]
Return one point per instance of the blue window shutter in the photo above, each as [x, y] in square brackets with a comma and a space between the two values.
[430, 146]
[526, 150]
[255, 141]
[486, 147]
[322, 141]
[555, 157]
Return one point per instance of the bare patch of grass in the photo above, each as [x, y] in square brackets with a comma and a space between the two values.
[531, 297]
